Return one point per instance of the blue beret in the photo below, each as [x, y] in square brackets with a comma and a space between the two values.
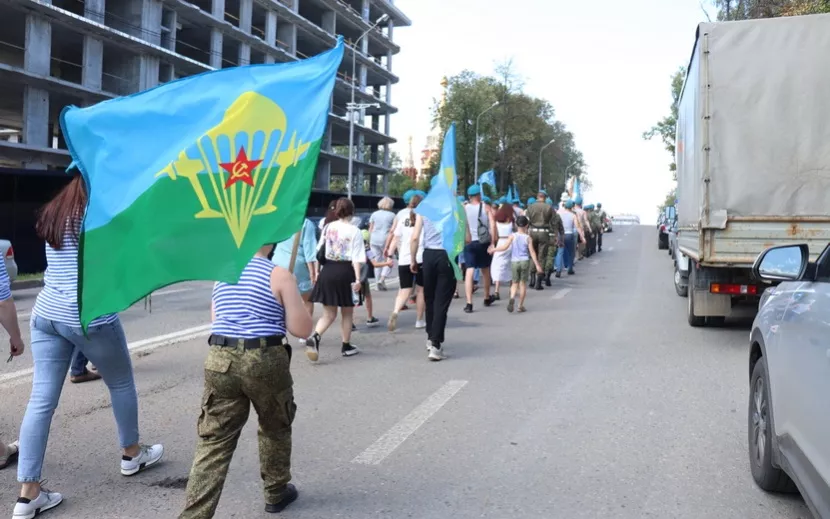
[569, 204]
[474, 190]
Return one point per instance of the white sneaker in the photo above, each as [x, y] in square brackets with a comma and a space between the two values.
[420, 324]
[29, 508]
[147, 457]
[429, 345]
[435, 354]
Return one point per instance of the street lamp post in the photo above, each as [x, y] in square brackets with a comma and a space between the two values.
[475, 159]
[540, 161]
[352, 107]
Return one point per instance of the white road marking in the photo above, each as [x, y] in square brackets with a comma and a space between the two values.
[22, 316]
[394, 437]
[560, 293]
[15, 377]
[595, 262]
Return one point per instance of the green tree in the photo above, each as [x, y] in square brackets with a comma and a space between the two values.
[729, 10]
[667, 126]
[511, 135]
[400, 184]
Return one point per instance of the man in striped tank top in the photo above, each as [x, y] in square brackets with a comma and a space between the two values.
[8, 318]
[249, 363]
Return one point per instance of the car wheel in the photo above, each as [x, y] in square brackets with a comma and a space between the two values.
[694, 320]
[766, 476]
[681, 289]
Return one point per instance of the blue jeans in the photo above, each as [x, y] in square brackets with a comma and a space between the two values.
[52, 346]
[78, 365]
[565, 255]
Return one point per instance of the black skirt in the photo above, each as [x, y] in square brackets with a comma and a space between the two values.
[334, 285]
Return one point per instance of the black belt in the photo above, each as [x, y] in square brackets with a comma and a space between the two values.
[249, 344]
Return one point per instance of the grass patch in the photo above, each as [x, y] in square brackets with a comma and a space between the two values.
[29, 277]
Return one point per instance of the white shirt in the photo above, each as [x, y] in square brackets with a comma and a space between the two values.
[432, 238]
[473, 218]
[344, 242]
[403, 231]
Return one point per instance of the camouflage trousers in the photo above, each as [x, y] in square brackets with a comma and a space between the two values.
[548, 261]
[235, 378]
[540, 240]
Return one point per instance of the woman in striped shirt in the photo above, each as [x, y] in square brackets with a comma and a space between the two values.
[56, 332]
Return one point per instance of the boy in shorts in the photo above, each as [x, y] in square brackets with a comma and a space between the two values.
[367, 272]
[522, 253]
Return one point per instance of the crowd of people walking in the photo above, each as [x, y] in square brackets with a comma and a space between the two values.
[248, 363]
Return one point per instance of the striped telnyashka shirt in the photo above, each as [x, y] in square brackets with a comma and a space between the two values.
[58, 301]
[5, 282]
[248, 310]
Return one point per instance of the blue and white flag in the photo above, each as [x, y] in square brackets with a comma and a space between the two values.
[488, 177]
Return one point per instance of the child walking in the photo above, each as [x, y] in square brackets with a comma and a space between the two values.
[367, 272]
[522, 252]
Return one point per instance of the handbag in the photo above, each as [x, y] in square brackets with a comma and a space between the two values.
[484, 237]
[321, 249]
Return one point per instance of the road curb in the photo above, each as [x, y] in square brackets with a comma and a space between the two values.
[29, 283]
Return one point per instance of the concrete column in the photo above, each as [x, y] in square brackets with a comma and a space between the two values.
[390, 26]
[361, 78]
[151, 21]
[37, 58]
[94, 10]
[287, 34]
[216, 48]
[217, 9]
[322, 177]
[364, 9]
[329, 22]
[327, 138]
[294, 5]
[389, 92]
[93, 54]
[244, 54]
[245, 14]
[386, 128]
[389, 60]
[386, 183]
[172, 19]
[373, 184]
[92, 74]
[148, 72]
[385, 156]
[271, 27]
[361, 142]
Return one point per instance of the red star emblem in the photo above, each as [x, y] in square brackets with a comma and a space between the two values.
[240, 169]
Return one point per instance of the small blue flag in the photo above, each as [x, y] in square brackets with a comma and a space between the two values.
[488, 177]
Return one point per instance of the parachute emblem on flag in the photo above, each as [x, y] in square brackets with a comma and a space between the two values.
[241, 163]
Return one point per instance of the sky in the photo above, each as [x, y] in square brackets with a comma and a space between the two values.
[604, 65]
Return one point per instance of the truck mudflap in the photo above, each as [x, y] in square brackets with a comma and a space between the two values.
[718, 290]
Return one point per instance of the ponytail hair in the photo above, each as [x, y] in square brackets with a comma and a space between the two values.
[413, 203]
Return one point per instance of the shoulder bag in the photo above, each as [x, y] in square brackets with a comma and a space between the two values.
[483, 229]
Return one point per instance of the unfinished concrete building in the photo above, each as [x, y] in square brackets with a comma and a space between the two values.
[64, 52]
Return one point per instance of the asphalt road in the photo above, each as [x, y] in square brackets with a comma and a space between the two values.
[599, 402]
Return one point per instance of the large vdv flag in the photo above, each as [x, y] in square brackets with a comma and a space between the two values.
[442, 208]
[488, 177]
[187, 180]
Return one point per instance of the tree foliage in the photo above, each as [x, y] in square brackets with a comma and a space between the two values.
[511, 135]
[667, 126]
[729, 10]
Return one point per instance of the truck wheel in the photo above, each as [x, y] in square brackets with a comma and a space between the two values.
[759, 417]
[694, 320]
[681, 289]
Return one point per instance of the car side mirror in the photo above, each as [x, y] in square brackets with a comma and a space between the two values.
[782, 263]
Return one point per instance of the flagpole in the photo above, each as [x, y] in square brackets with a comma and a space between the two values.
[294, 250]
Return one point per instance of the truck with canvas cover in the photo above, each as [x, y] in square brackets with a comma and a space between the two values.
[753, 155]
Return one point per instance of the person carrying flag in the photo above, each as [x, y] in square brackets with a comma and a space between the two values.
[8, 319]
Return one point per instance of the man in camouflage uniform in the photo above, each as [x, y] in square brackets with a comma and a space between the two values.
[593, 219]
[603, 217]
[555, 236]
[541, 220]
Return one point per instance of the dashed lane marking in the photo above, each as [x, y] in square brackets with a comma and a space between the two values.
[15, 377]
[560, 293]
[394, 437]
